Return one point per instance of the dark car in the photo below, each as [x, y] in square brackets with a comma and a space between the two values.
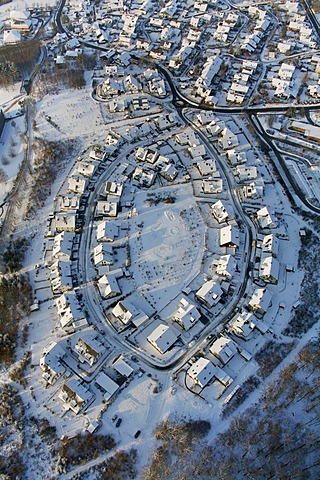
[118, 422]
[136, 435]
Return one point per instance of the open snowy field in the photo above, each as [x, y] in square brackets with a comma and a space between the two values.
[167, 243]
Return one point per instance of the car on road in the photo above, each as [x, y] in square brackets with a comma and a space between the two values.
[136, 435]
[118, 422]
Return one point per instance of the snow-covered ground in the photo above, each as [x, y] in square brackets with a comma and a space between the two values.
[171, 246]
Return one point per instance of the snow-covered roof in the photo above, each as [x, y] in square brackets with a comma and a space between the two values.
[202, 371]
[103, 254]
[243, 325]
[107, 231]
[260, 300]
[230, 236]
[186, 314]
[226, 266]
[122, 367]
[210, 293]
[222, 211]
[162, 338]
[224, 348]
[269, 268]
[108, 284]
[107, 384]
[62, 245]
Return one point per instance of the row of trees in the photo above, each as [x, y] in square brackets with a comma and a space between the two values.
[17, 59]
[49, 158]
[15, 300]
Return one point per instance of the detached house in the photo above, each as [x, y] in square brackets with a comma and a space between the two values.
[269, 269]
[260, 300]
[222, 211]
[186, 315]
[50, 362]
[162, 338]
[266, 218]
[210, 293]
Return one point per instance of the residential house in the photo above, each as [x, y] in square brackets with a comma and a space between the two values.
[202, 372]
[103, 255]
[128, 313]
[75, 395]
[107, 385]
[269, 269]
[260, 300]
[62, 246]
[187, 314]
[70, 312]
[207, 167]
[212, 186]
[77, 184]
[245, 172]
[243, 325]
[106, 209]
[88, 348]
[210, 293]
[50, 362]
[65, 222]
[108, 284]
[229, 236]
[224, 349]
[270, 244]
[266, 218]
[143, 177]
[60, 276]
[162, 338]
[107, 231]
[226, 266]
[222, 211]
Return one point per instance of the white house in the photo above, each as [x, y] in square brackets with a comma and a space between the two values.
[106, 209]
[187, 314]
[222, 211]
[107, 231]
[224, 349]
[266, 218]
[108, 386]
[60, 276]
[103, 255]
[269, 269]
[70, 312]
[162, 338]
[245, 172]
[270, 244]
[65, 222]
[62, 246]
[108, 284]
[226, 266]
[206, 167]
[75, 395]
[260, 300]
[50, 362]
[210, 293]
[202, 371]
[229, 236]
[243, 325]
[77, 184]
[88, 348]
[128, 313]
